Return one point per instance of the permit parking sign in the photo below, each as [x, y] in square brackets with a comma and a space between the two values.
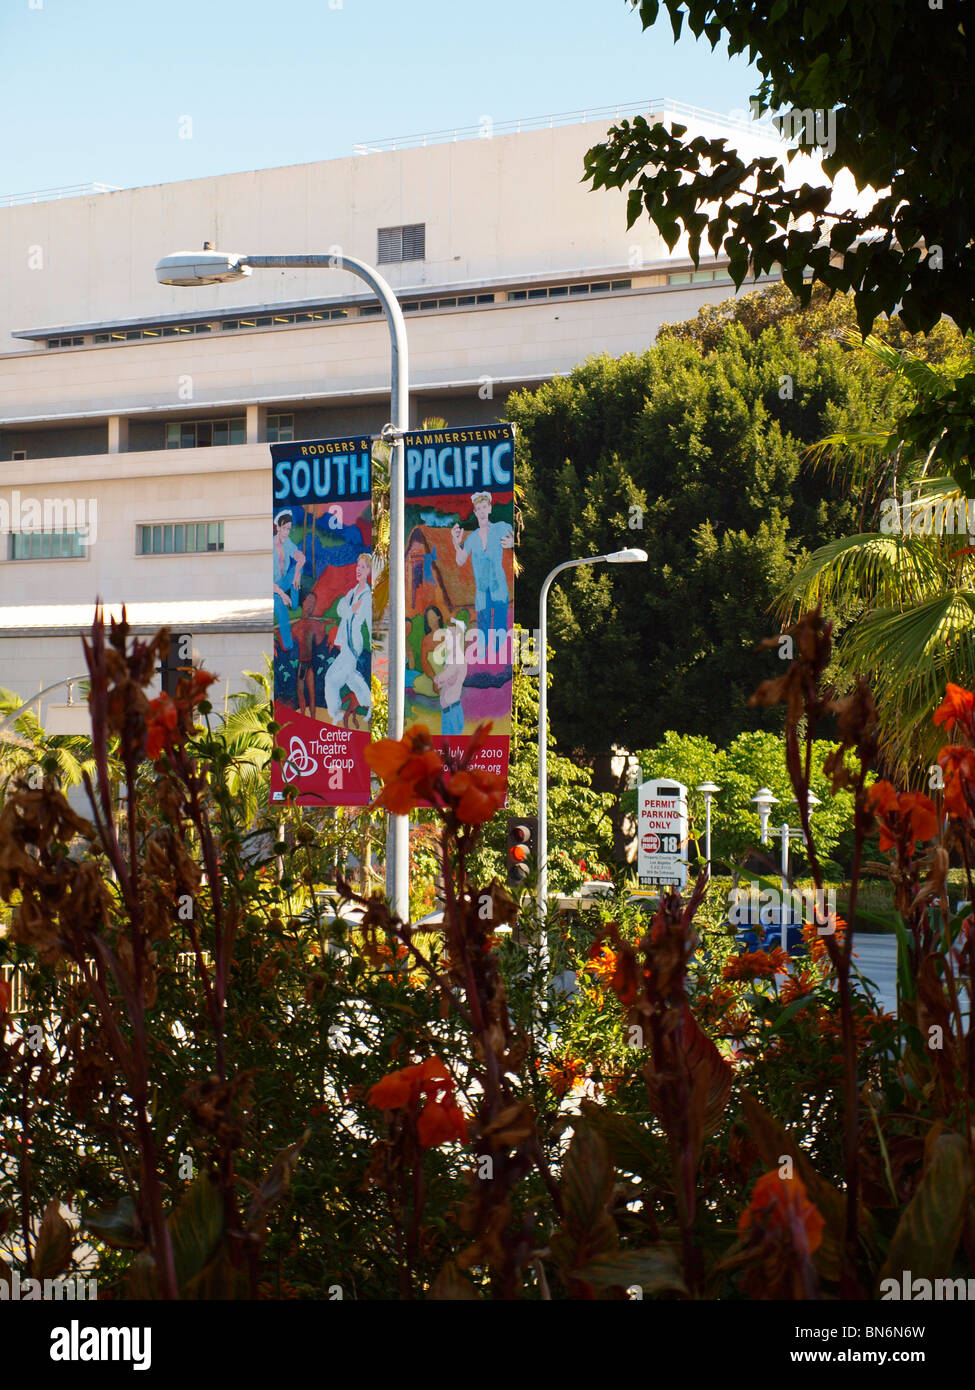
[662, 843]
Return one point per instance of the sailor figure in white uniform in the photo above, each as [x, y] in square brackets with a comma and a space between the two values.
[354, 611]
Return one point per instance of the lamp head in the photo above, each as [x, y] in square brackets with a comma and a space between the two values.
[709, 788]
[627, 557]
[207, 267]
[764, 799]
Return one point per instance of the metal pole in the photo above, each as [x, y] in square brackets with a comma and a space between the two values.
[398, 833]
[707, 833]
[785, 884]
[542, 881]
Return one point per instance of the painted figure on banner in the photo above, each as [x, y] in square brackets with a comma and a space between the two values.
[459, 584]
[353, 636]
[484, 547]
[322, 572]
[288, 563]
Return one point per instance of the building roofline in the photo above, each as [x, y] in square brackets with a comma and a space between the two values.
[426, 290]
[660, 107]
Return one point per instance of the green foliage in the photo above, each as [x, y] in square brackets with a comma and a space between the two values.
[900, 585]
[750, 761]
[579, 827]
[694, 451]
[890, 87]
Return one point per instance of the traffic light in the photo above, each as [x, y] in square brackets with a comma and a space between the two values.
[179, 660]
[522, 848]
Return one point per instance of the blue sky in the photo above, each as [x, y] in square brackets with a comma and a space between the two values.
[97, 90]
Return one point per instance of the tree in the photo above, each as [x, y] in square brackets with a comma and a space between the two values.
[902, 587]
[887, 92]
[580, 829]
[694, 453]
[750, 761]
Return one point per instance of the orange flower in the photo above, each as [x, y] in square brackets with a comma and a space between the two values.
[162, 725]
[780, 1205]
[958, 764]
[797, 986]
[441, 1118]
[440, 1123]
[393, 1092]
[478, 794]
[905, 817]
[565, 1075]
[408, 767]
[756, 965]
[167, 715]
[602, 963]
[957, 707]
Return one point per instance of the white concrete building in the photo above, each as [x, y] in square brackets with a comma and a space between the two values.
[135, 418]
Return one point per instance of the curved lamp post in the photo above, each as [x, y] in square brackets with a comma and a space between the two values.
[210, 267]
[618, 557]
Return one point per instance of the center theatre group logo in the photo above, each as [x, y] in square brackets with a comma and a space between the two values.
[299, 762]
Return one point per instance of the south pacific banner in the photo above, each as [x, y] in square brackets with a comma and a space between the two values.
[460, 586]
[322, 578]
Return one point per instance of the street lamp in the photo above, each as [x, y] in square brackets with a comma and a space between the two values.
[764, 800]
[785, 833]
[210, 267]
[618, 557]
[708, 790]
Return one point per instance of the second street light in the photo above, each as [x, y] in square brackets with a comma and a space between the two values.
[210, 267]
[618, 557]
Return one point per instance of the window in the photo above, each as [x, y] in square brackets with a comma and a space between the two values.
[201, 434]
[180, 538]
[18, 455]
[47, 545]
[65, 342]
[406, 243]
[280, 429]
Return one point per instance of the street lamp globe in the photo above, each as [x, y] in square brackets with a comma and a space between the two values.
[627, 557]
[190, 268]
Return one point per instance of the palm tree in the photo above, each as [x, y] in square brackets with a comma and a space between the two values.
[27, 743]
[903, 593]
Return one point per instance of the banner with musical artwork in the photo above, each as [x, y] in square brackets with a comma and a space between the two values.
[322, 578]
[460, 586]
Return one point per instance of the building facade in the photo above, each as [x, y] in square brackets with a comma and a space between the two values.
[135, 418]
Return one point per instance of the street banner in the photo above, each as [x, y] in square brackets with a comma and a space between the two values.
[662, 833]
[322, 586]
[460, 586]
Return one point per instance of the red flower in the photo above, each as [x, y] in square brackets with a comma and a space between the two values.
[957, 707]
[408, 768]
[958, 764]
[168, 715]
[905, 817]
[440, 1123]
[780, 1205]
[441, 1118]
[478, 794]
[162, 726]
